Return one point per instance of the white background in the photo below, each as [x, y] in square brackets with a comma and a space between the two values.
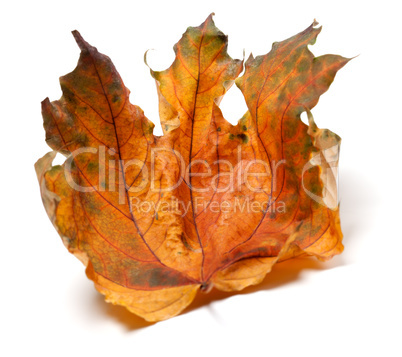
[346, 307]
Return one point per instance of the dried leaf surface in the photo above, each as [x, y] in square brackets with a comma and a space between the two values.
[155, 219]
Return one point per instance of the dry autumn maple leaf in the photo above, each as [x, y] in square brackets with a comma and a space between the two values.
[208, 204]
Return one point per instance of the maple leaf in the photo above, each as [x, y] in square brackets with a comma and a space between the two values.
[208, 204]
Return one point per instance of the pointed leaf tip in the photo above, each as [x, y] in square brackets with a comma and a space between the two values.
[249, 60]
[209, 19]
[45, 102]
[82, 44]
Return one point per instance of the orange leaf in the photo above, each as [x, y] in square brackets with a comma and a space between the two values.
[207, 204]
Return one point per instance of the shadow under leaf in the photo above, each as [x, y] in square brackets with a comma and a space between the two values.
[281, 274]
[119, 313]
